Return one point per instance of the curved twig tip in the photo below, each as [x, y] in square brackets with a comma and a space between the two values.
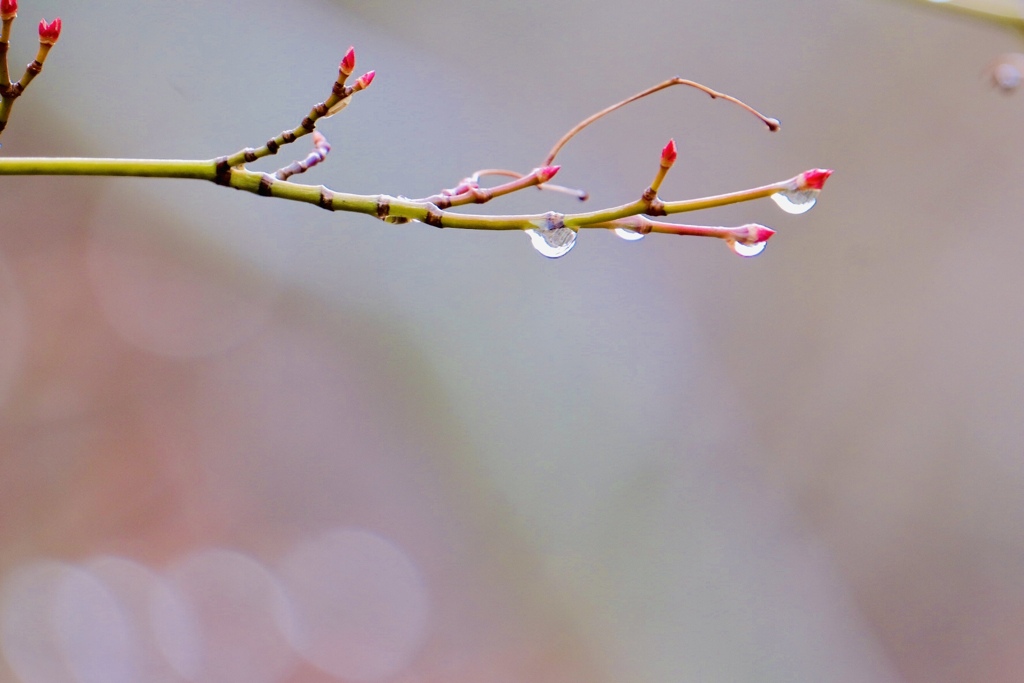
[773, 124]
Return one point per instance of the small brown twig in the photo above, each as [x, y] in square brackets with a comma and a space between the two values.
[321, 148]
[468, 191]
[773, 124]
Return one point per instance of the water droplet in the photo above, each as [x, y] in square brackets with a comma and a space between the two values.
[551, 238]
[796, 201]
[1006, 76]
[629, 235]
[748, 250]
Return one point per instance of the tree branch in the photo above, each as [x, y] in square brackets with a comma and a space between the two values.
[552, 233]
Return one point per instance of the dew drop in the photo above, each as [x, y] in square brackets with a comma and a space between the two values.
[552, 242]
[796, 201]
[1006, 76]
[748, 250]
[629, 235]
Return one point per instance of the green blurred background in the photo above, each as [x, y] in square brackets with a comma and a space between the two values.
[648, 461]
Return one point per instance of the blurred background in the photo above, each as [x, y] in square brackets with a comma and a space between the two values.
[249, 440]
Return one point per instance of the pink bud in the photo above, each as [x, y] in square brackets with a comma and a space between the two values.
[547, 173]
[814, 179]
[49, 33]
[365, 80]
[8, 9]
[668, 155]
[759, 233]
[348, 62]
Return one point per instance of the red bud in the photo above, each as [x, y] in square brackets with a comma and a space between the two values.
[365, 80]
[49, 33]
[348, 62]
[669, 154]
[547, 173]
[759, 233]
[815, 178]
[8, 9]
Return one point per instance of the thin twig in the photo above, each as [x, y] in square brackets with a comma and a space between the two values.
[773, 124]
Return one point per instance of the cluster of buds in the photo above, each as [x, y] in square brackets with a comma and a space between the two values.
[49, 32]
[341, 95]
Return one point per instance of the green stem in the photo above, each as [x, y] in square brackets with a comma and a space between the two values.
[142, 168]
[5, 46]
[5, 111]
[729, 198]
[393, 209]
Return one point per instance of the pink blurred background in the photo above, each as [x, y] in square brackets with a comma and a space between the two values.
[246, 440]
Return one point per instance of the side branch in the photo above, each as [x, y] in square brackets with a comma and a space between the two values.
[339, 98]
[630, 217]
[401, 209]
[773, 124]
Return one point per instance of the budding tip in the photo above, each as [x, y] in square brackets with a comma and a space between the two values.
[8, 9]
[816, 177]
[49, 33]
[773, 124]
[366, 79]
[547, 173]
[348, 62]
[759, 233]
[669, 154]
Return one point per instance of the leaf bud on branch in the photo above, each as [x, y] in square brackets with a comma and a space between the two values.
[364, 81]
[49, 33]
[8, 9]
[348, 62]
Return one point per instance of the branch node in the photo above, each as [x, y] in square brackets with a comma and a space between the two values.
[383, 207]
[265, 188]
[326, 200]
[656, 207]
[433, 217]
[222, 171]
